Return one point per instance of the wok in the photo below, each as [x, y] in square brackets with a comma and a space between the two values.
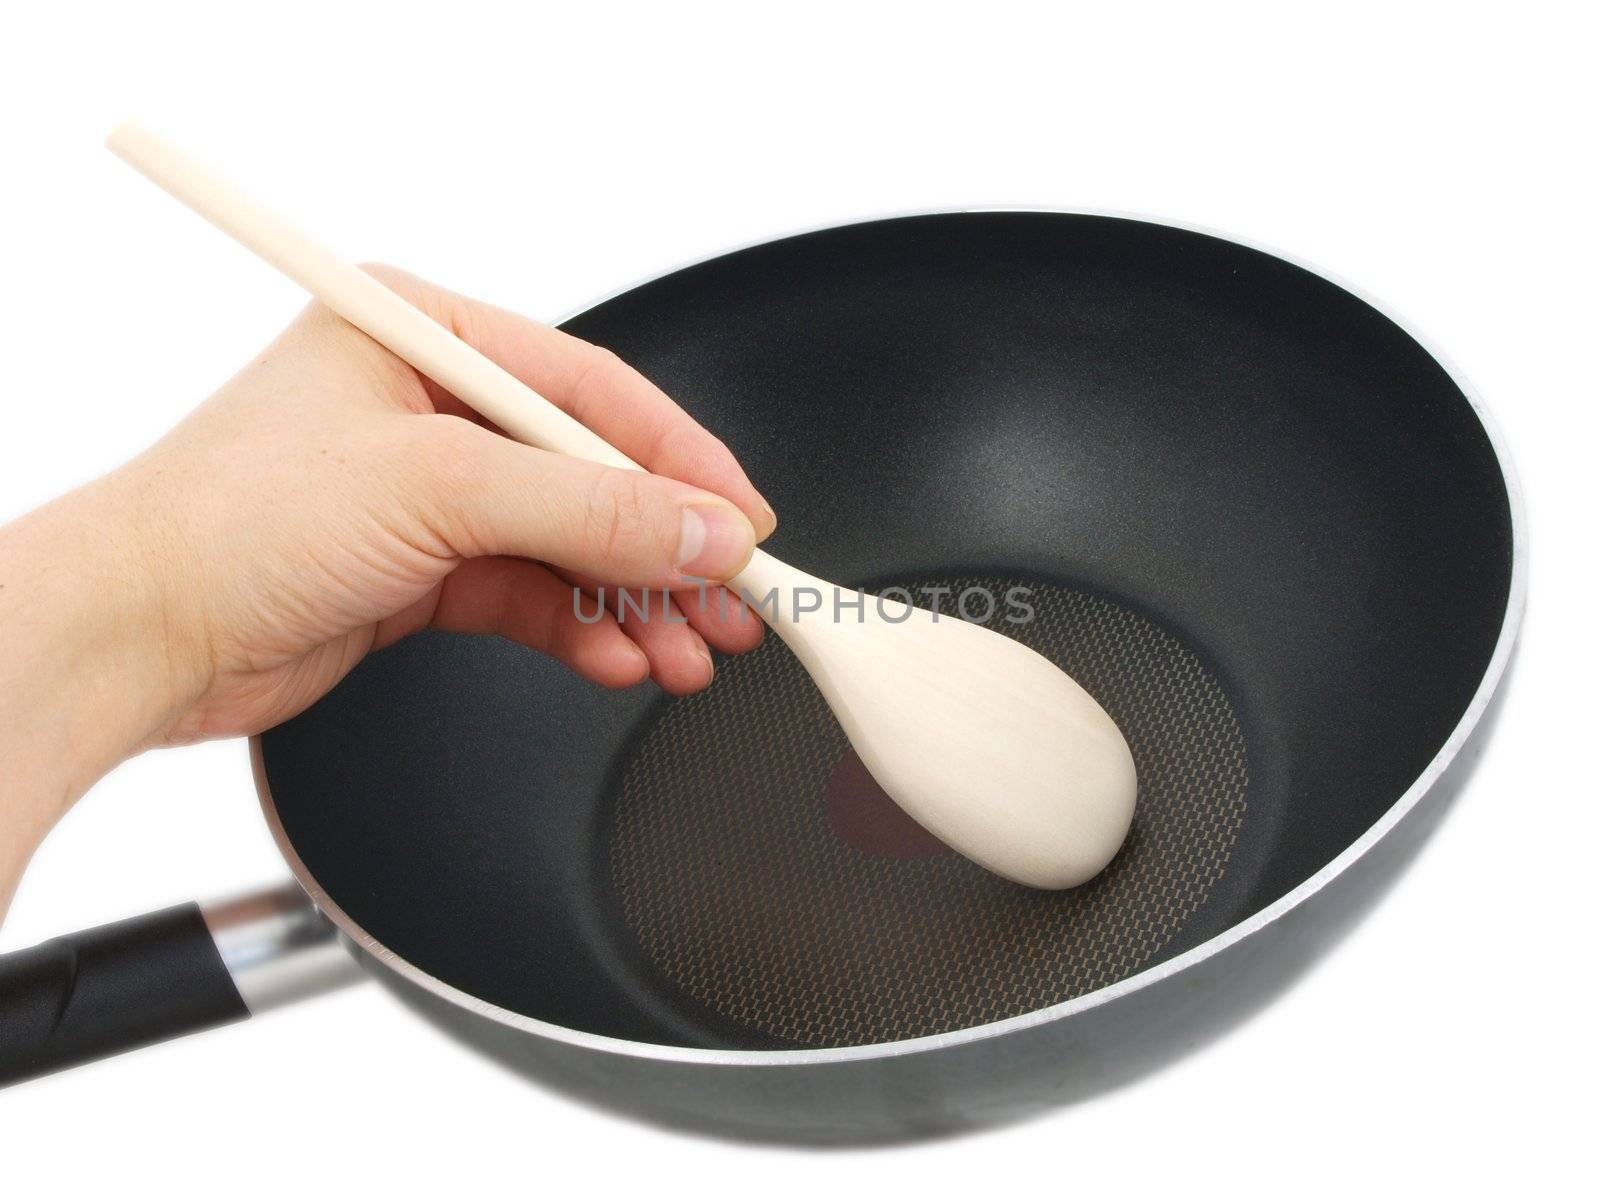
[1263, 525]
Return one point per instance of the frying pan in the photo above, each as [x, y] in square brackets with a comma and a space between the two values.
[1263, 525]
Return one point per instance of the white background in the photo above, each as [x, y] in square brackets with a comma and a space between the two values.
[1437, 157]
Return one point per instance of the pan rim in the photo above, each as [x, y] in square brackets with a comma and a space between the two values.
[1493, 675]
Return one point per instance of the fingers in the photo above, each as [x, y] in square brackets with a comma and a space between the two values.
[611, 643]
[489, 497]
[674, 635]
[716, 613]
[679, 661]
[595, 387]
[677, 632]
[478, 494]
[525, 602]
[721, 619]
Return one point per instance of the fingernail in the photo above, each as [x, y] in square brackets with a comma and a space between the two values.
[711, 667]
[714, 541]
[764, 531]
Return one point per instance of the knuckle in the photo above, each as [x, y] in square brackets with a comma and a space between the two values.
[441, 460]
[601, 359]
[690, 447]
[461, 318]
[446, 441]
[598, 369]
[623, 528]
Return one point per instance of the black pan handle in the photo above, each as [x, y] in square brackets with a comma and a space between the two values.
[101, 991]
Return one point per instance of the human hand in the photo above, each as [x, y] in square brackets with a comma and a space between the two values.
[328, 501]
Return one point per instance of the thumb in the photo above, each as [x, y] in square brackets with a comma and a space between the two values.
[484, 494]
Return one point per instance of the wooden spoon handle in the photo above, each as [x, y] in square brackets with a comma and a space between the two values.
[360, 299]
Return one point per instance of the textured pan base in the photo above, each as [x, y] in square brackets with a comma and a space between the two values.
[759, 878]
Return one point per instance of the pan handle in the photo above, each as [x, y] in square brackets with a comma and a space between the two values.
[101, 991]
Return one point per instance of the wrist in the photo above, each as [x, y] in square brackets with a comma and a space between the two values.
[89, 673]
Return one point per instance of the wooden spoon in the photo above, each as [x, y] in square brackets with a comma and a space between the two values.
[989, 746]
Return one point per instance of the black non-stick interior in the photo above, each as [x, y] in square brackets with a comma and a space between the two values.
[1261, 523]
